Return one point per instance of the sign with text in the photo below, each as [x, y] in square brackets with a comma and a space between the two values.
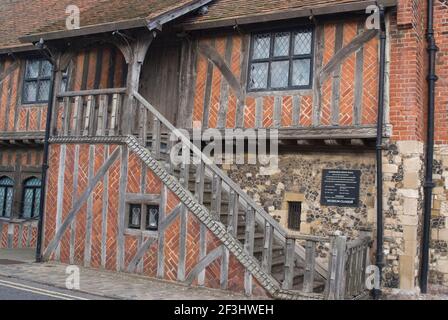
[340, 188]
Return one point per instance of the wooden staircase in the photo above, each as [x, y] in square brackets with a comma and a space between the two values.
[277, 258]
[286, 265]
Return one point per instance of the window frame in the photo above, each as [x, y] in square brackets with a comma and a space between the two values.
[6, 187]
[144, 210]
[290, 58]
[297, 219]
[34, 188]
[39, 79]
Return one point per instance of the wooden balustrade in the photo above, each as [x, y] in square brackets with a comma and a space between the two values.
[89, 113]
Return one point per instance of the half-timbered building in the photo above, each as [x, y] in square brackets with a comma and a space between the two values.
[342, 83]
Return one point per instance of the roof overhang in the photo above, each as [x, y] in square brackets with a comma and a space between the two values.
[151, 24]
[289, 14]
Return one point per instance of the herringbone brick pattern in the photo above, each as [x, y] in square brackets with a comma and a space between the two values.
[15, 238]
[329, 42]
[13, 100]
[192, 243]
[134, 174]
[150, 261]
[306, 111]
[370, 83]
[97, 219]
[83, 179]
[51, 197]
[347, 94]
[220, 46]
[268, 112]
[153, 183]
[4, 236]
[4, 93]
[67, 200]
[112, 213]
[235, 67]
[201, 83]
[249, 113]
[327, 89]
[286, 120]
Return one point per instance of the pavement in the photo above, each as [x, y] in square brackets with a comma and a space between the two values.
[17, 270]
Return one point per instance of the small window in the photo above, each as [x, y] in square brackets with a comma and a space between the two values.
[37, 81]
[64, 82]
[31, 198]
[294, 215]
[6, 196]
[281, 60]
[152, 218]
[139, 221]
[135, 216]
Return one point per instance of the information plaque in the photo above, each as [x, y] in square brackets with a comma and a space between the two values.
[340, 188]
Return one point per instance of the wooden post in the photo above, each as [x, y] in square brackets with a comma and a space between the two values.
[288, 281]
[216, 197]
[310, 261]
[135, 56]
[156, 140]
[249, 247]
[336, 269]
[266, 261]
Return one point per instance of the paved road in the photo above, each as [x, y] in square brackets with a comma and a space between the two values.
[13, 289]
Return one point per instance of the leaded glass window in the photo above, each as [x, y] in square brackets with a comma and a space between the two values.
[281, 60]
[6, 196]
[37, 81]
[31, 198]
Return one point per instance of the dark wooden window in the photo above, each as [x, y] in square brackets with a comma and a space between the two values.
[37, 81]
[143, 217]
[294, 215]
[31, 198]
[6, 196]
[135, 216]
[281, 60]
[152, 218]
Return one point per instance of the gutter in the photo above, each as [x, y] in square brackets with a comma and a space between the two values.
[379, 155]
[429, 158]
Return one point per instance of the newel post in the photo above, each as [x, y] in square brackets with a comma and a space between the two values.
[335, 289]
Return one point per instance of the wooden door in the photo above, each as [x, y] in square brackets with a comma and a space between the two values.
[160, 78]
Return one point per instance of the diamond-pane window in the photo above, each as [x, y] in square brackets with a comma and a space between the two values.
[279, 74]
[302, 42]
[262, 46]
[259, 75]
[281, 44]
[31, 198]
[6, 196]
[301, 72]
[281, 60]
[36, 85]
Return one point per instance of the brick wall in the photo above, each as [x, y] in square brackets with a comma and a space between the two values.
[98, 238]
[14, 235]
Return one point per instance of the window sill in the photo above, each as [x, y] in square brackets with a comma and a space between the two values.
[289, 92]
[17, 220]
[145, 233]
